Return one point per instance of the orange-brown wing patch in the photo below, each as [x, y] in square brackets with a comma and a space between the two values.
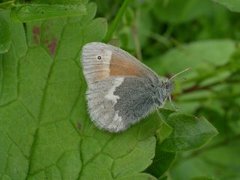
[122, 66]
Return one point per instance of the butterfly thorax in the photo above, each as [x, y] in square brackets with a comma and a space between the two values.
[162, 91]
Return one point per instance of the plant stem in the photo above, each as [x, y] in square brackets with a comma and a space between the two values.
[216, 71]
[116, 21]
[135, 35]
[208, 87]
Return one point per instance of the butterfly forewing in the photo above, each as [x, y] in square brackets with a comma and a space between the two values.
[101, 61]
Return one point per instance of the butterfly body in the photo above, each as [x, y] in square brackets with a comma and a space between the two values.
[121, 90]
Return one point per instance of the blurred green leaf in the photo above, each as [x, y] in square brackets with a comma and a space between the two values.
[188, 133]
[215, 115]
[117, 20]
[59, 1]
[221, 161]
[179, 11]
[233, 5]
[202, 178]
[6, 4]
[202, 55]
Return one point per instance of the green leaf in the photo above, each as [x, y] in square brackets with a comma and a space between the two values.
[161, 162]
[5, 34]
[188, 133]
[163, 132]
[233, 5]
[36, 12]
[216, 116]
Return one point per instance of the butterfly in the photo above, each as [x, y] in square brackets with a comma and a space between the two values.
[121, 89]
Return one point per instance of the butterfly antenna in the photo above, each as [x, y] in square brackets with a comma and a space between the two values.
[174, 76]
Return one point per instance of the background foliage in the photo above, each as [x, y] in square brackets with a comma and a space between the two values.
[45, 130]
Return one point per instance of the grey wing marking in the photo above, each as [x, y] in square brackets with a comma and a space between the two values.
[137, 102]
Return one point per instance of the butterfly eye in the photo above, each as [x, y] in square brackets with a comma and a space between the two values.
[99, 58]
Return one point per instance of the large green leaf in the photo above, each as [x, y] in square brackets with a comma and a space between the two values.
[45, 130]
[233, 5]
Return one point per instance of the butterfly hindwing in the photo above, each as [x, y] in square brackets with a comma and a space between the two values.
[116, 103]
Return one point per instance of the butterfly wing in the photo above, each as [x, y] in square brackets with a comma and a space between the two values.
[119, 86]
[101, 61]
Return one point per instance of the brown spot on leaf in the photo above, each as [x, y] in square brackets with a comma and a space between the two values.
[79, 126]
[52, 46]
[36, 32]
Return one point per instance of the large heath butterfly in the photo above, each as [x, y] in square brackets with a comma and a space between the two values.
[121, 89]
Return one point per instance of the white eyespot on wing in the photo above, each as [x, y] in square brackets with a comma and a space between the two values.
[110, 95]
